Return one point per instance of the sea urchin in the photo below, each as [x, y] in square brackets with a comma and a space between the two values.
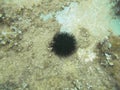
[64, 44]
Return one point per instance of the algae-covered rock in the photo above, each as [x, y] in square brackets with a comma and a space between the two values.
[109, 57]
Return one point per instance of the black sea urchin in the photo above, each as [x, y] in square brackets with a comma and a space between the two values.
[63, 44]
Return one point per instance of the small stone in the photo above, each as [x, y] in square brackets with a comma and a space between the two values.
[109, 45]
[108, 57]
[111, 63]
[16, 44]
[50, 55]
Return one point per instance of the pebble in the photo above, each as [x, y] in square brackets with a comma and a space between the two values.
[111, 63]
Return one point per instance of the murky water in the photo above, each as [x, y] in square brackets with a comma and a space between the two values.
[27, 28]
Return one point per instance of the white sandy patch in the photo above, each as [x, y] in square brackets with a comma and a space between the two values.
[86, 55]
[91, 14]
[46, 17]
[68, 17]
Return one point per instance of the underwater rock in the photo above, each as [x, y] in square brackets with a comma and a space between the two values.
[117, 7]
[109, 57]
